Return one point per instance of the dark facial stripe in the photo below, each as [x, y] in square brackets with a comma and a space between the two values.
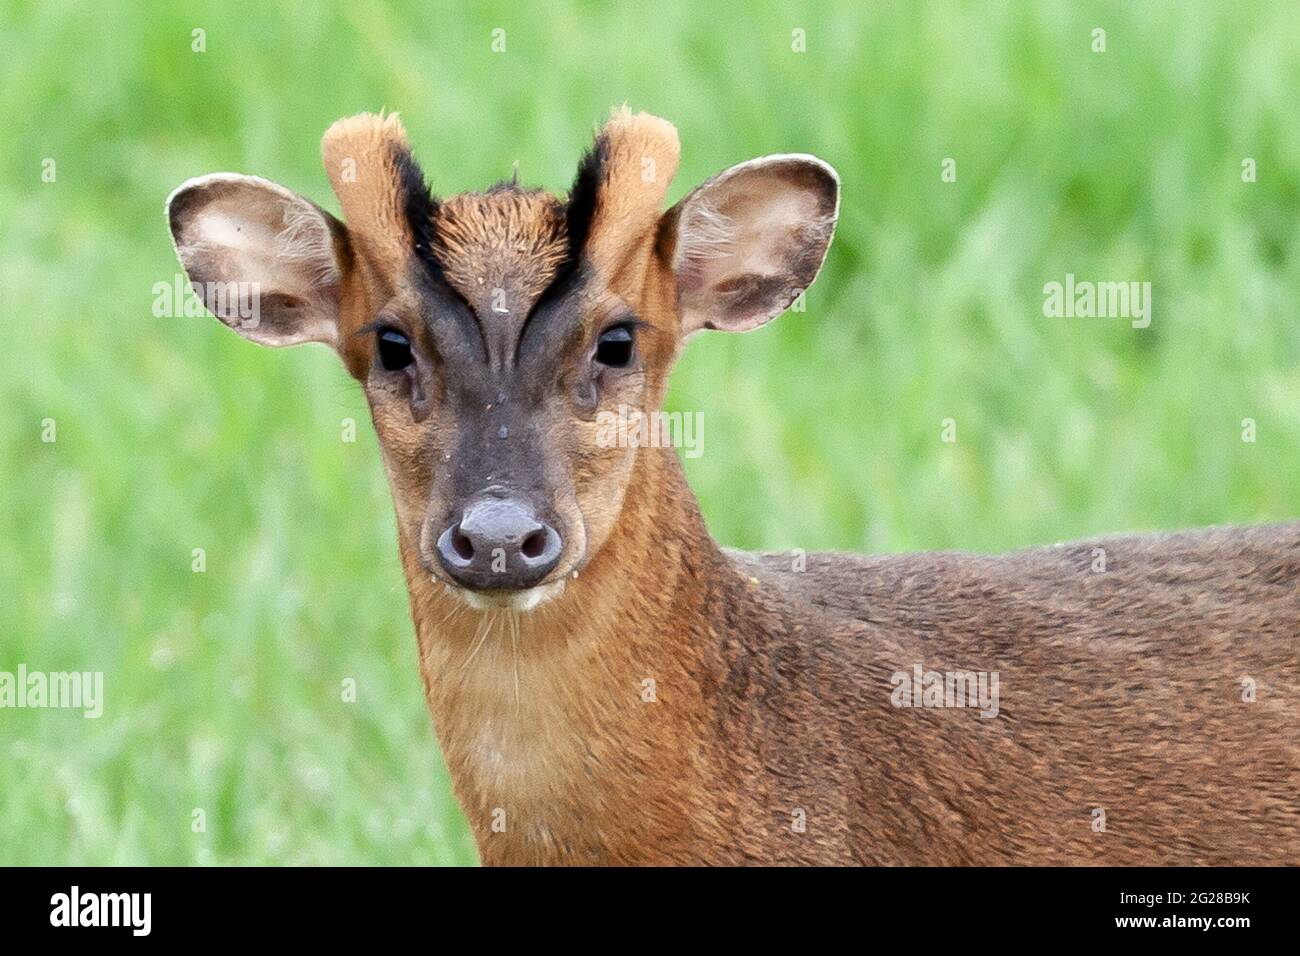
[583, 198]
[578, 213]
[420, 207]
[421, 210]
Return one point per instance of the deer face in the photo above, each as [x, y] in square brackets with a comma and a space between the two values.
[491, 330]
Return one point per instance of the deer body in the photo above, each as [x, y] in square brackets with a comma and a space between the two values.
[1121, 690]
[610, 686]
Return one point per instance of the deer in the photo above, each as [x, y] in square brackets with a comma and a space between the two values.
[609, 685]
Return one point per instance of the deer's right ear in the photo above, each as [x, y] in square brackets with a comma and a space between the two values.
[264, 260]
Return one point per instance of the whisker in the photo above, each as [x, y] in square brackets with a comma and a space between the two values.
[484, 626]
[446, 618]
[514, 642]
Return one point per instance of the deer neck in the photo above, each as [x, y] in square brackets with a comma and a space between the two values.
[556, 723]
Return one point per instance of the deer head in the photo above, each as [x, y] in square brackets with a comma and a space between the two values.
[490, 329]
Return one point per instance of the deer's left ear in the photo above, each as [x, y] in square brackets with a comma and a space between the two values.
[264, 260]
[751, 239]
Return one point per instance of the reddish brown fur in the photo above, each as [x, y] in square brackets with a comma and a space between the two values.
[1121, 690]
[508, 238]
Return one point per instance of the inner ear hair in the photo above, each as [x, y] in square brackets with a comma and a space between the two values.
[267, 262]
[750, 240]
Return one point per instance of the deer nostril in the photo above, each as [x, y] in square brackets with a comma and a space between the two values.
[498, 544]
[534, 544]
[462, 544]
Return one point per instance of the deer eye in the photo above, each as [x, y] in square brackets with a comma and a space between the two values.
[394, 349]
[614, 347]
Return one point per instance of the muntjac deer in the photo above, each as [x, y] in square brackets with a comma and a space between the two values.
[611, 686]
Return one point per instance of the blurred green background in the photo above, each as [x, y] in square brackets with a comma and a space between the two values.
[822, 429]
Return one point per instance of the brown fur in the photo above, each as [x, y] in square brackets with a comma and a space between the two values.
[507, 238]
[1121, 689]
[642, 156]
[359, 154]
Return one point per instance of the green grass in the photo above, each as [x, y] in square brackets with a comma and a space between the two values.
[822, 430]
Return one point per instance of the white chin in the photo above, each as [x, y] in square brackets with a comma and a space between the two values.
[518, 601]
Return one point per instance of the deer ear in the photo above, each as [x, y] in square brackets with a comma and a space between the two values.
[264, 260]
[751, 239]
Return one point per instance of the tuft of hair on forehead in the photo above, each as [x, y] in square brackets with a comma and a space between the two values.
[608, 219]
[507, 238]
[621, 186]
[379, 185]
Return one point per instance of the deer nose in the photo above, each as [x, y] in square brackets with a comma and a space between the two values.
[499, 544]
